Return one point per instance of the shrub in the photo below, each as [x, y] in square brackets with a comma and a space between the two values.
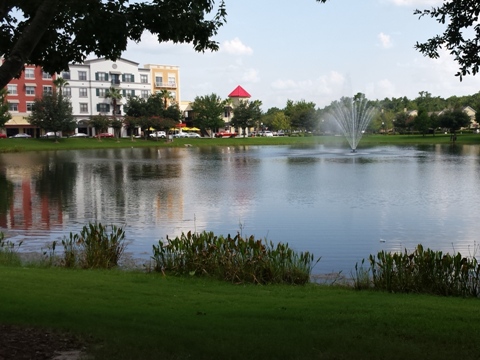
[236, 259]
[94, 247]
[8, 252]
[425, 271]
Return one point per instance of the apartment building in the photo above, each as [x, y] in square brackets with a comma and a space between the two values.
[32, 83]
[165, 78]
[87, 87]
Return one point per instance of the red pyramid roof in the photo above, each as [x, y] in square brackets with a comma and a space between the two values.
[239, 92]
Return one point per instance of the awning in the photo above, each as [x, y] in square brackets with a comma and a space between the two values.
[191, 129]
[181, 125]
[30, 84]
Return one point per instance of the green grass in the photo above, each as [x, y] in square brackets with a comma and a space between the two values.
[134, 315]
[16, 145]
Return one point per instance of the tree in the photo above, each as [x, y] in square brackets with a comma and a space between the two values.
[207, 112]
[246, 115]
[461, 36]
[400, 122]
[422, 122]
[100, 123]
[4, 114]
[53, 33]
[53, 113]
[302, 115]
[166, 96]
[115, 96]
[60, 83]
[453, 120]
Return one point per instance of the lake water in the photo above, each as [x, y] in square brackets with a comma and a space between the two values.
[336, 205]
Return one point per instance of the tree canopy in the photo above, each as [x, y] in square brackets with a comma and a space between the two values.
[246, 115]
[4, 114]
[207, 112]
[53, 33]
[52, 112]
[461, 36]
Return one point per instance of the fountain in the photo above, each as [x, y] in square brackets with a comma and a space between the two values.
[352, 116]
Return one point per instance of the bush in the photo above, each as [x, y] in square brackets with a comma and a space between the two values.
[94, 247]
[236, 259]
[425, 271]
[8, 252]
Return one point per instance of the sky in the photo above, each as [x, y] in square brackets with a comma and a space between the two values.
[280, 50]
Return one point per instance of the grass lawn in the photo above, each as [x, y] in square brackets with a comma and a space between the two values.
[16, 145]
[134, 315]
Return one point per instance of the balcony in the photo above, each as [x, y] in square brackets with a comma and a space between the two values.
[115, 82]
[169, 84]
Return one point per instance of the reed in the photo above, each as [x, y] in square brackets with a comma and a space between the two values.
[235, 259]
[96, 246]
[8, 252]
[426, 271]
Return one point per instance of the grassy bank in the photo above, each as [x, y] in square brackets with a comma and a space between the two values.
[148, 316]
[16, 145]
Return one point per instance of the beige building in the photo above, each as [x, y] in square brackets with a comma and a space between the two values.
[165, 78]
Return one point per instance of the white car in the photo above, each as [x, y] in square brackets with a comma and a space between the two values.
[79, 135]
[267, 134]
[20, 136]
[181, 135]
[193, 135]
[158, 134]
[51, 134]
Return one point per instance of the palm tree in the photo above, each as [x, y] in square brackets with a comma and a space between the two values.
[166, 96]
[114, 95]
[60, 83]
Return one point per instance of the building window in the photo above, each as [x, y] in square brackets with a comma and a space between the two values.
[83, 108]
[66, 75]
[67, 91]
[82, 75]
[127, 93]
[103, 108]
[12, 90]
[29, 73]
[12, 107]
[101, 76]
[158, 81]
[30, 106]
[144, 94]
[47, 89]
[128, 78]
[82, 92]
[171, 81]
[144, 79]
[46, 75]
[101, 92]
[30, 90]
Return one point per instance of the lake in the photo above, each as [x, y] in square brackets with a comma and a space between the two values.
[339, 206]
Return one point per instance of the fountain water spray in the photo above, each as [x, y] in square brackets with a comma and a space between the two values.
[352, 116]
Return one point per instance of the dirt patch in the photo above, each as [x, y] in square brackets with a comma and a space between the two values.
[22, 343]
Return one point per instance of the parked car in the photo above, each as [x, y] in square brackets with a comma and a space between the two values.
[267, 133]
[51, 134]
[193, 135]
[80, 134]
[225, 134]
[181, 135]
[105, 135]
[20, 136]
[3, 136]
[158, 134]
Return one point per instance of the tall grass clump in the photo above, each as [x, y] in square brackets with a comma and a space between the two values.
[235, 259]
[96, 246]
[8, 252]
[426, 271]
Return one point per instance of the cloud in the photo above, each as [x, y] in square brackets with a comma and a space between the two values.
[250, 76]
[236, 47]
[385, 40]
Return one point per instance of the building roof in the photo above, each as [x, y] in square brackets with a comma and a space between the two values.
[239, 92]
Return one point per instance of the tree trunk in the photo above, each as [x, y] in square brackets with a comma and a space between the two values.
[23, 48]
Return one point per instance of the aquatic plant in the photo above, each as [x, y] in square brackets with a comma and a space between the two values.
[96, 246]
[236, 259]
[8, 251]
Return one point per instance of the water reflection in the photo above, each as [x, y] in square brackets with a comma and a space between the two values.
[320, 199]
